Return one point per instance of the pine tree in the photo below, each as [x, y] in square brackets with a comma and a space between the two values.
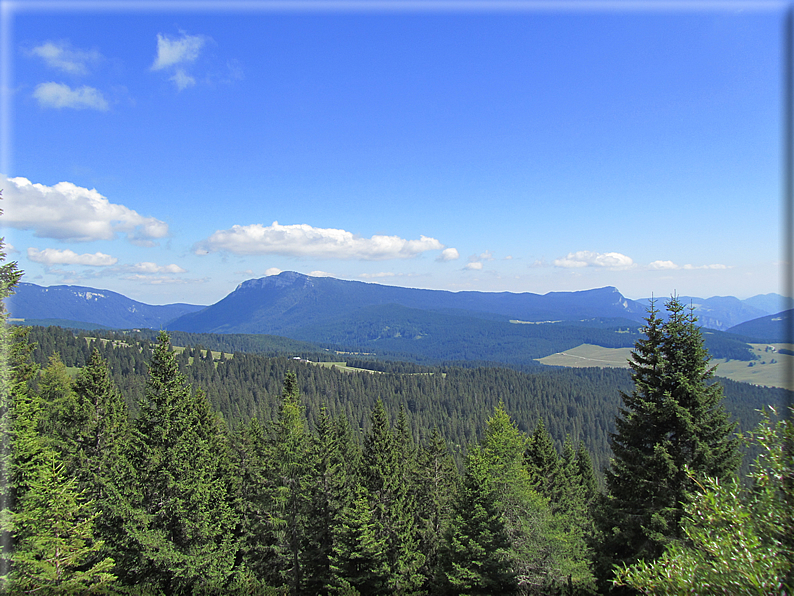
[182, 534]
[739, 541]
[287, 476]
[477, 552]
[672, 421]
[543, 462]
[438, 483]
[56, 390]
[94, 437]
[387, 473]
[55, 550]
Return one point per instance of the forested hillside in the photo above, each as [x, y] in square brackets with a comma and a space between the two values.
[319, 481]
[581, 403]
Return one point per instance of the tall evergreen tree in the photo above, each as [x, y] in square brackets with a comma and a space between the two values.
[287, 476]
[387, 473]
[183, 531]
[672, 421]
[477, 553]
[10, 274]
[543, 462]
[438, 482]
[55, 550]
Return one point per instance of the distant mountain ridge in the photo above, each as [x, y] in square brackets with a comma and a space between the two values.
[771, 328]
[393, 322]
[284, 303]
[90, 305]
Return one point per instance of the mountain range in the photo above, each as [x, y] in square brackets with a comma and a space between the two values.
[89, 308]
[286, 303]
[405, 323]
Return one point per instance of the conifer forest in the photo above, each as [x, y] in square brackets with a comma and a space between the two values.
[132, 467]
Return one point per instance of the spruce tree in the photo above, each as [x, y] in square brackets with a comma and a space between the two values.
[287, 476]
[673, 421]
[477, 551]
[55, 551]
[438, 481]
[182, 534]
[387, 473]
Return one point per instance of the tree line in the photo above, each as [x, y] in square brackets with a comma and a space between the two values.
[172, 501]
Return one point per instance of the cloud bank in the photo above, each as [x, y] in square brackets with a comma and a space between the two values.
[73, 214]
[52, 256]
[303, 240]
[586, 258]
[60, 95]
[669, 265]
[150, 268]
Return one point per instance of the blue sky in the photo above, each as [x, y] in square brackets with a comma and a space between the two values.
[171, 152]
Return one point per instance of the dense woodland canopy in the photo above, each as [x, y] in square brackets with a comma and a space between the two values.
[135, 468]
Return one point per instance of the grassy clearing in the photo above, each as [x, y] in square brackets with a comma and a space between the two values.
[342, 366]
[768, 370]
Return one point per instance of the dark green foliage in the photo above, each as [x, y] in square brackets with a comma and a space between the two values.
[181, 534]
[581, 403]
[388, 474]
[672, 421]
[437, 484]
[286, 474]
[477, 555]
[739, 540]
[55, 551]
[543, 463]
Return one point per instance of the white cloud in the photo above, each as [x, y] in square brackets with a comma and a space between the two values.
[61, 56]
[272, 271]
[59, 95]
[319, 273]
[171, 52]
[303, 240]
[448, 254]
[51, 256]
[182, 80]
[663, 265]
[586, 258]
[714, 266]
[476, 266]
[162, 280]
[71, 213]
[151, 268]
[670, 265]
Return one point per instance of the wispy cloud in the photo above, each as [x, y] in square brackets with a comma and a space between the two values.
[52, 256]
[150, 268]
[62, 56]
[303, 240]
[60, 95]
[171, 51]
[174, 54]
[668, 265]
[586, 258]
[73, 214]
[473, 266]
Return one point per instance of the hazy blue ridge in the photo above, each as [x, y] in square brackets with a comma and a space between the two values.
[290, 301]
[771, 328]
[90, 305]
[723, 312]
